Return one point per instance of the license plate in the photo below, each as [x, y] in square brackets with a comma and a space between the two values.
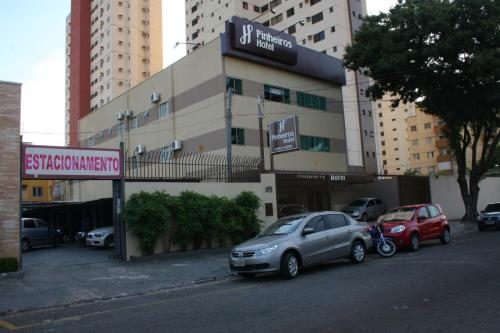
[238, 262]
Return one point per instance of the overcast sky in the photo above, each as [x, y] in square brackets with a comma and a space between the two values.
[33, 41]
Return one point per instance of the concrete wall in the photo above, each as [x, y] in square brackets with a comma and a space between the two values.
[446, 192]
[10, 105]
[229, 190]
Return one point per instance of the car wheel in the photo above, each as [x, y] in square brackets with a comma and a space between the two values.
[289, 265]
[358, 252]
[414, 242]
[55, 242]
[364, 218]
[108, 242]
[25, 245]
[247, 275]
[446, 236]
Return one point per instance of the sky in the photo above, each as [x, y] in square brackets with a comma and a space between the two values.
[32, 36]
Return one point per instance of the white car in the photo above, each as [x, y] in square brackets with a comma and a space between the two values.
[102, 237]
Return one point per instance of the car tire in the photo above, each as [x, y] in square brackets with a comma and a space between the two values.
[25, 245]
[55, 242]
[364, 217]
[358, 252]
[108, 241]
[414, 242]
[247, 275]
[446, 236]
[289, 267]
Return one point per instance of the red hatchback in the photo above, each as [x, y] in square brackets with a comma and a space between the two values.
[408, 226]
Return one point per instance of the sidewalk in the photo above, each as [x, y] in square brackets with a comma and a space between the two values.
[71, 274]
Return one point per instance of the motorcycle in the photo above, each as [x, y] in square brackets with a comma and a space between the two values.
[383, 245]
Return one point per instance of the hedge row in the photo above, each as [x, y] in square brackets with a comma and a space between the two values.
[191, 218]
[8, 264]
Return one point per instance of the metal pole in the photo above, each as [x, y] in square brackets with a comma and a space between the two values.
[21, 170]
[229, 132]
[260, 113]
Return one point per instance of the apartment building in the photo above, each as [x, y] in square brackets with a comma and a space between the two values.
[112, 45]
[326, 26]
[37, 190]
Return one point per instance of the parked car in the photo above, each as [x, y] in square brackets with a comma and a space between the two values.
[301, 240]
[489, 217]
[408, 226]
[365, 209]
[36, 232]
[102, 237]
[81, 238]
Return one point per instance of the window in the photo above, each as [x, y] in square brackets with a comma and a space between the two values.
[276, 94]
[194, 22]
[428, 140]
[317, 223]
[237, 136]
[317, 18]
[274, 3]
[336, 221]
[133, 123]
[313, 2]
[164, 110]
[311, 101]
[165, 154]
[194, 35]
[430, 154]
[414, 142]
[423, 213]
[413, 128]
[427, 125]
[194, 8]
[37, 191]
[433, 211]
[382, 143]
[292, 29]
[236, 84]
[245, 5]
[319, 36]
[277, 19]
[29, 224]
[313, 143]
[430, 169]
[416, 156]
[443, 152]
[290, 12]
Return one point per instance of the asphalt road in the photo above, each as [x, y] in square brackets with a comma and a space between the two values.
[453, 288]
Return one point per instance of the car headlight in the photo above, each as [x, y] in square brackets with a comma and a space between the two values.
[355, 212]
[267, 250]
[399, 228]
[479, 217]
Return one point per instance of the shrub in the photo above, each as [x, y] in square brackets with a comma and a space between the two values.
[248, 203]
[8, 264]
[148, 217]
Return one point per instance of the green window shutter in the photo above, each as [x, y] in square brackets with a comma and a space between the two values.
[303, 142]
[267, 94]
[322, 104]
[241, 136]
[300, 98]
[233, 136]
[238, 89]
[327, 145]
[286, 95]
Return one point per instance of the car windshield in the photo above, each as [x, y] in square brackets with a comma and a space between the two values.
[398, 214]
[359, 202]
[492, 208]
[283, 226]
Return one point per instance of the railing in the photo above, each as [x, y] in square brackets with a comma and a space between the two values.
[157, 166]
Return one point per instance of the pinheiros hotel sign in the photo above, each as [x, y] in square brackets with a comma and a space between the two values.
[255, 38]
[49, 162]
[284, 135]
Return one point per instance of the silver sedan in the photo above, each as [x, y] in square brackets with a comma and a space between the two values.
[301, 240]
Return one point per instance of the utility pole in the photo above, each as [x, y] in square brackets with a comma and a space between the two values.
[229, 105]
[260, 114]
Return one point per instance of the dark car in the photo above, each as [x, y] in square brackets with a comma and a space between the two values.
[490, 217]
[36, 232]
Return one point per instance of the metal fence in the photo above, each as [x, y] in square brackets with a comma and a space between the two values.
[160, 166]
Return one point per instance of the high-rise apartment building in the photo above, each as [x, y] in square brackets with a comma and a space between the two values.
[323, 25]
[112, 45]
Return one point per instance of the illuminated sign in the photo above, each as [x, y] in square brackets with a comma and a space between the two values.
[51, 162]
[284, 135]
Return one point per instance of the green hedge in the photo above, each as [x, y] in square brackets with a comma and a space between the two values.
[191, 218]
[8, 264]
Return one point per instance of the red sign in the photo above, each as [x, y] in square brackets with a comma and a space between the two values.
[52, 162]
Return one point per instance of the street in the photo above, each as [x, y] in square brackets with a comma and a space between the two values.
[452, 288]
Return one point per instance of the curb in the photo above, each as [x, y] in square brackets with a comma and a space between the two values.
[12, 275]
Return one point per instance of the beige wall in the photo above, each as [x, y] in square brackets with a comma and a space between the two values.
[446, 192]
[10, 112]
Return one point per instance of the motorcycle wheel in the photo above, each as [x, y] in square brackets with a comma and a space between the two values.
[387, 250]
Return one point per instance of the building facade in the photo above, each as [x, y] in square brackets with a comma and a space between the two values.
[324, 26]
[10, 146]
[37, 190]
[111, 45]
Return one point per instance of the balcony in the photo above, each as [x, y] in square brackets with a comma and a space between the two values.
[442, 143]
[443, 158]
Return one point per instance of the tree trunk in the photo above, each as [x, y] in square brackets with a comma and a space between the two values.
[464, 191]
[474, 195]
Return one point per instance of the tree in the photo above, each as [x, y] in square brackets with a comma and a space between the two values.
[444, 56]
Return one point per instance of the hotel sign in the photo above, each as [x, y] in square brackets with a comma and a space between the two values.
[255, 38]
[51, 162]
[284, 135]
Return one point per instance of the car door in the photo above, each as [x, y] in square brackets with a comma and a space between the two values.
[43, 232]
[339, 231]
[424, 223]
[315, 246]
[436, 220]
[29, 231]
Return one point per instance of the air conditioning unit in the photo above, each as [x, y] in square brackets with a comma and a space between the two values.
[309, 37]
[139, 149]
[308, 19]
[176, 145]
[128, 113]
[155, 97]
